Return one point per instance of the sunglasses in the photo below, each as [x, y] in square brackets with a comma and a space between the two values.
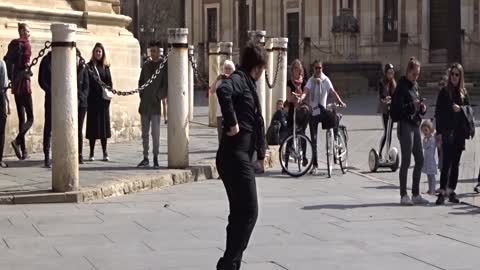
[318, 68]
[455, 74]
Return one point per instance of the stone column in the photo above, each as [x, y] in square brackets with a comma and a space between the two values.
[269, 110]
[65, 175]
[280, 46]
[191, 105]
[178, 124]
[213, 67]
[226, 50]
[258, 36]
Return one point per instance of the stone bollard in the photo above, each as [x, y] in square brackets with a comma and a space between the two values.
[178, 124]
[65, 176]
[213, 64]
[258, 36]
[268, 95]
[191, 52]
[280, 46]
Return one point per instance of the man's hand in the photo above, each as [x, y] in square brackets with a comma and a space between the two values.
[343, 104]
[260, 166]
[233, 130]
[456, 108]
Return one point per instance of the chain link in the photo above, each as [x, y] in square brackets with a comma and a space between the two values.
[131, 92]
[196, 72]
[41, 53]
[267, 79]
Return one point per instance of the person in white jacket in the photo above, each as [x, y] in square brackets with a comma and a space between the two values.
[4, 108]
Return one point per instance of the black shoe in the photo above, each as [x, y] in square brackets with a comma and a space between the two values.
[155, 163]
[80, 159]
[47, 163]
[453, 198]
[440, 199]
[25, 155]
[477, 188]
[105, 157]
[144, 163]
[16, 148]
[305, 162]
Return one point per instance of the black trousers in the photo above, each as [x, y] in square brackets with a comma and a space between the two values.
[313, 125]
[82, 112]
[452, 153]
[385, 136]
[47, 126]
[24, 107]
[3, 123]
[410, 143]
[237, 173]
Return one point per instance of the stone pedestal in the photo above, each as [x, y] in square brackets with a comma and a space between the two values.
[280, 47]
[191, 104]
[178, 124]
[64, 109]
[213, 69]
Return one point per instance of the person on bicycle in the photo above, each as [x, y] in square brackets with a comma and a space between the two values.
[386, 88]
[316, 93]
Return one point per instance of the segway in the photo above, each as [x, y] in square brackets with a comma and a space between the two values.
[392, 160]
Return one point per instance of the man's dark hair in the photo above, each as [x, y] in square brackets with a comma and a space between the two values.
[253, 56]
[155, 43]
[317, 62]
[21, 27]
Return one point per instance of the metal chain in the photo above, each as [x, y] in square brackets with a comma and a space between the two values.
[41, 53]
[272, 85]
[132, 92]
[196, 72]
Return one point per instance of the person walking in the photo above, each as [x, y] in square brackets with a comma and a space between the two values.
[244, 133]
[228, 69]
[18, 58]
[386, 87]
[45, 82]
[98, 117]
[408, 107]
[83, 88]
[451, 126]
[4, 109]
[150, 106]
[317, 90]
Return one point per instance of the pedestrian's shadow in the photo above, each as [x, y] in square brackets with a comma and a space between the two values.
[466, 210]
[388, 187]
[349, 206]
[24, 163]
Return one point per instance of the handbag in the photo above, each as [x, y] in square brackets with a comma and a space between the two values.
[106, 94]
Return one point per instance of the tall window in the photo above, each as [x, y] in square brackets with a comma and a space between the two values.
[212, 27]
[390, 20]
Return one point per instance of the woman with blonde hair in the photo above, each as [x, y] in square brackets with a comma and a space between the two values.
[451, 124]
[98, 116]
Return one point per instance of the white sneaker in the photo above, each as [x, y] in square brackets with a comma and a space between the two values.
[406, 200]
[419, 200]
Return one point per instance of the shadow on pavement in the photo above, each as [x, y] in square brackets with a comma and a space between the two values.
[24, 163]
[393, 187]
[350, 206]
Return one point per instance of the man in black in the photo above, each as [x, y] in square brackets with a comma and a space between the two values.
[45, 82]
[243, 133]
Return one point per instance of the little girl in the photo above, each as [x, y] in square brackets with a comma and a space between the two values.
[429, 147]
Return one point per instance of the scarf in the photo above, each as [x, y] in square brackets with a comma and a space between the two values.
[298, 85]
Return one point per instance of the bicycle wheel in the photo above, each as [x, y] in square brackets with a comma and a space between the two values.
[296, 155]
[343, 149]
[329, 150]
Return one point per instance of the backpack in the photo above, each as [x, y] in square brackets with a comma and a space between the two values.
[395, 109]
[13, 58]
[273, 133]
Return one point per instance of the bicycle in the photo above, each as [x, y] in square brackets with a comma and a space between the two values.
[295, 149]
[336, 140]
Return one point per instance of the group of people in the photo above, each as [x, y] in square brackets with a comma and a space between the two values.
[453, 120]
[93, 99]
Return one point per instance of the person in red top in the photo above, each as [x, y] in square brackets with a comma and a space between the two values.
[22, 91]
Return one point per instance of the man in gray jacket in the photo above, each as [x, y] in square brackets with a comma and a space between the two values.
[150, 107]
[4, 108]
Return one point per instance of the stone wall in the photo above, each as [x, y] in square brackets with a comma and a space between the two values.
[106, 27]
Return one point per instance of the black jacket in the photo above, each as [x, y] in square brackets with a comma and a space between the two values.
[383, 92]
[239, 103]
[83, 86]
[449, 122]
[45, 74]
[405, 95]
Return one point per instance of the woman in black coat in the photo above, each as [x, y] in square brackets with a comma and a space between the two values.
[451, 126]
[98, 117]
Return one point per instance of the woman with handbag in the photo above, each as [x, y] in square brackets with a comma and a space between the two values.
[98, 116]
[451, 130]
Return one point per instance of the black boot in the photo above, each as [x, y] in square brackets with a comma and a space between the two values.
[440, 199]
[453, 198]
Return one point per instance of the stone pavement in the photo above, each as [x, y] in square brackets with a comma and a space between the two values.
[349, 222]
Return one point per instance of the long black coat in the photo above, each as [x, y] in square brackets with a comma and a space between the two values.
[98, 116]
